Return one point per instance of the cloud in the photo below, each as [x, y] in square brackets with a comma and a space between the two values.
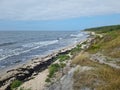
[55, 9]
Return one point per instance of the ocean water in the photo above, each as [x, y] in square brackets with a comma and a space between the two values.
[20, 46]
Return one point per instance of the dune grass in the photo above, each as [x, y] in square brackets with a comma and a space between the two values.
[102, 77]
[75, 50]
[52, 69]
[63, 57]
[110, 77]
[105, 78]
[84, 80]
[108, 45]
[83, 60]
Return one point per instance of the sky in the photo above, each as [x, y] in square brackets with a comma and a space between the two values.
[57, 14]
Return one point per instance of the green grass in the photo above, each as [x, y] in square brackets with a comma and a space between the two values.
[104, 29]
[52, 69]
[48, 80]
[109, 44]
[15, 84]
[62, 65]
[75, 50]
[102, 77]
[63, 57]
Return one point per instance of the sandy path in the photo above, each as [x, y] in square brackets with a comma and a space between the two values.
[37, 83]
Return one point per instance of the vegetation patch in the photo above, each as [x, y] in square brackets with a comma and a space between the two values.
[110, 77]
[83, 60]
[102, 77]
[15, 84]
[48, 80]
[62, 65]
[22, 88]
[75, 50]
[63, 57]
[109, 44]
[52, 69]
[104, 29]
[84, 80]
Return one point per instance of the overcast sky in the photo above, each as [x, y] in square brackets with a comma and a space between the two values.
[29, 14]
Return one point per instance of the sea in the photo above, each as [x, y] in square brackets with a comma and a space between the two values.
[21, 46]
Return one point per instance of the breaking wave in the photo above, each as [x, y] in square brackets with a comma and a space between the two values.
[41, 43]
[25, 48]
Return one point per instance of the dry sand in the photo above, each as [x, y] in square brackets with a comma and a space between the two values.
[37, 83]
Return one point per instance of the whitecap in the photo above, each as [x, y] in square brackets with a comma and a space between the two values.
[30, 46]
[77, 35]
[41, 43]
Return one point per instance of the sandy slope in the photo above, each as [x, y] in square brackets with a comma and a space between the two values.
[37, 83]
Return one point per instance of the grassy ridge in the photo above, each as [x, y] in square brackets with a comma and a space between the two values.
[101, 76]
[110, 43]
[104, 29]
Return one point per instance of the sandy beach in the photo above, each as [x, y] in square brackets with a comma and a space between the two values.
[37, 68]
[37, 83]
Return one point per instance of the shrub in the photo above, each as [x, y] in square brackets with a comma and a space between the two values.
[63, 57]
[76, 49]
[62, 65]
[52, 69]
[22, 88]
[48, 80]
[15, 84]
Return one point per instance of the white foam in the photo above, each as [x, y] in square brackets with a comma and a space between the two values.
[41, 43]
[77, 35]
[30, 46]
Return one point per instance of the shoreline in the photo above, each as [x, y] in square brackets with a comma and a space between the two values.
[35, 59]
[32, 67]
[24, 72]
[42, 56]
[27, 62]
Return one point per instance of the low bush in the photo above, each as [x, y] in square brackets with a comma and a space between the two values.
[15, 84]
[75, 50]
[52, 69]
[48, 80]
[63, 57]
[62, 65]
